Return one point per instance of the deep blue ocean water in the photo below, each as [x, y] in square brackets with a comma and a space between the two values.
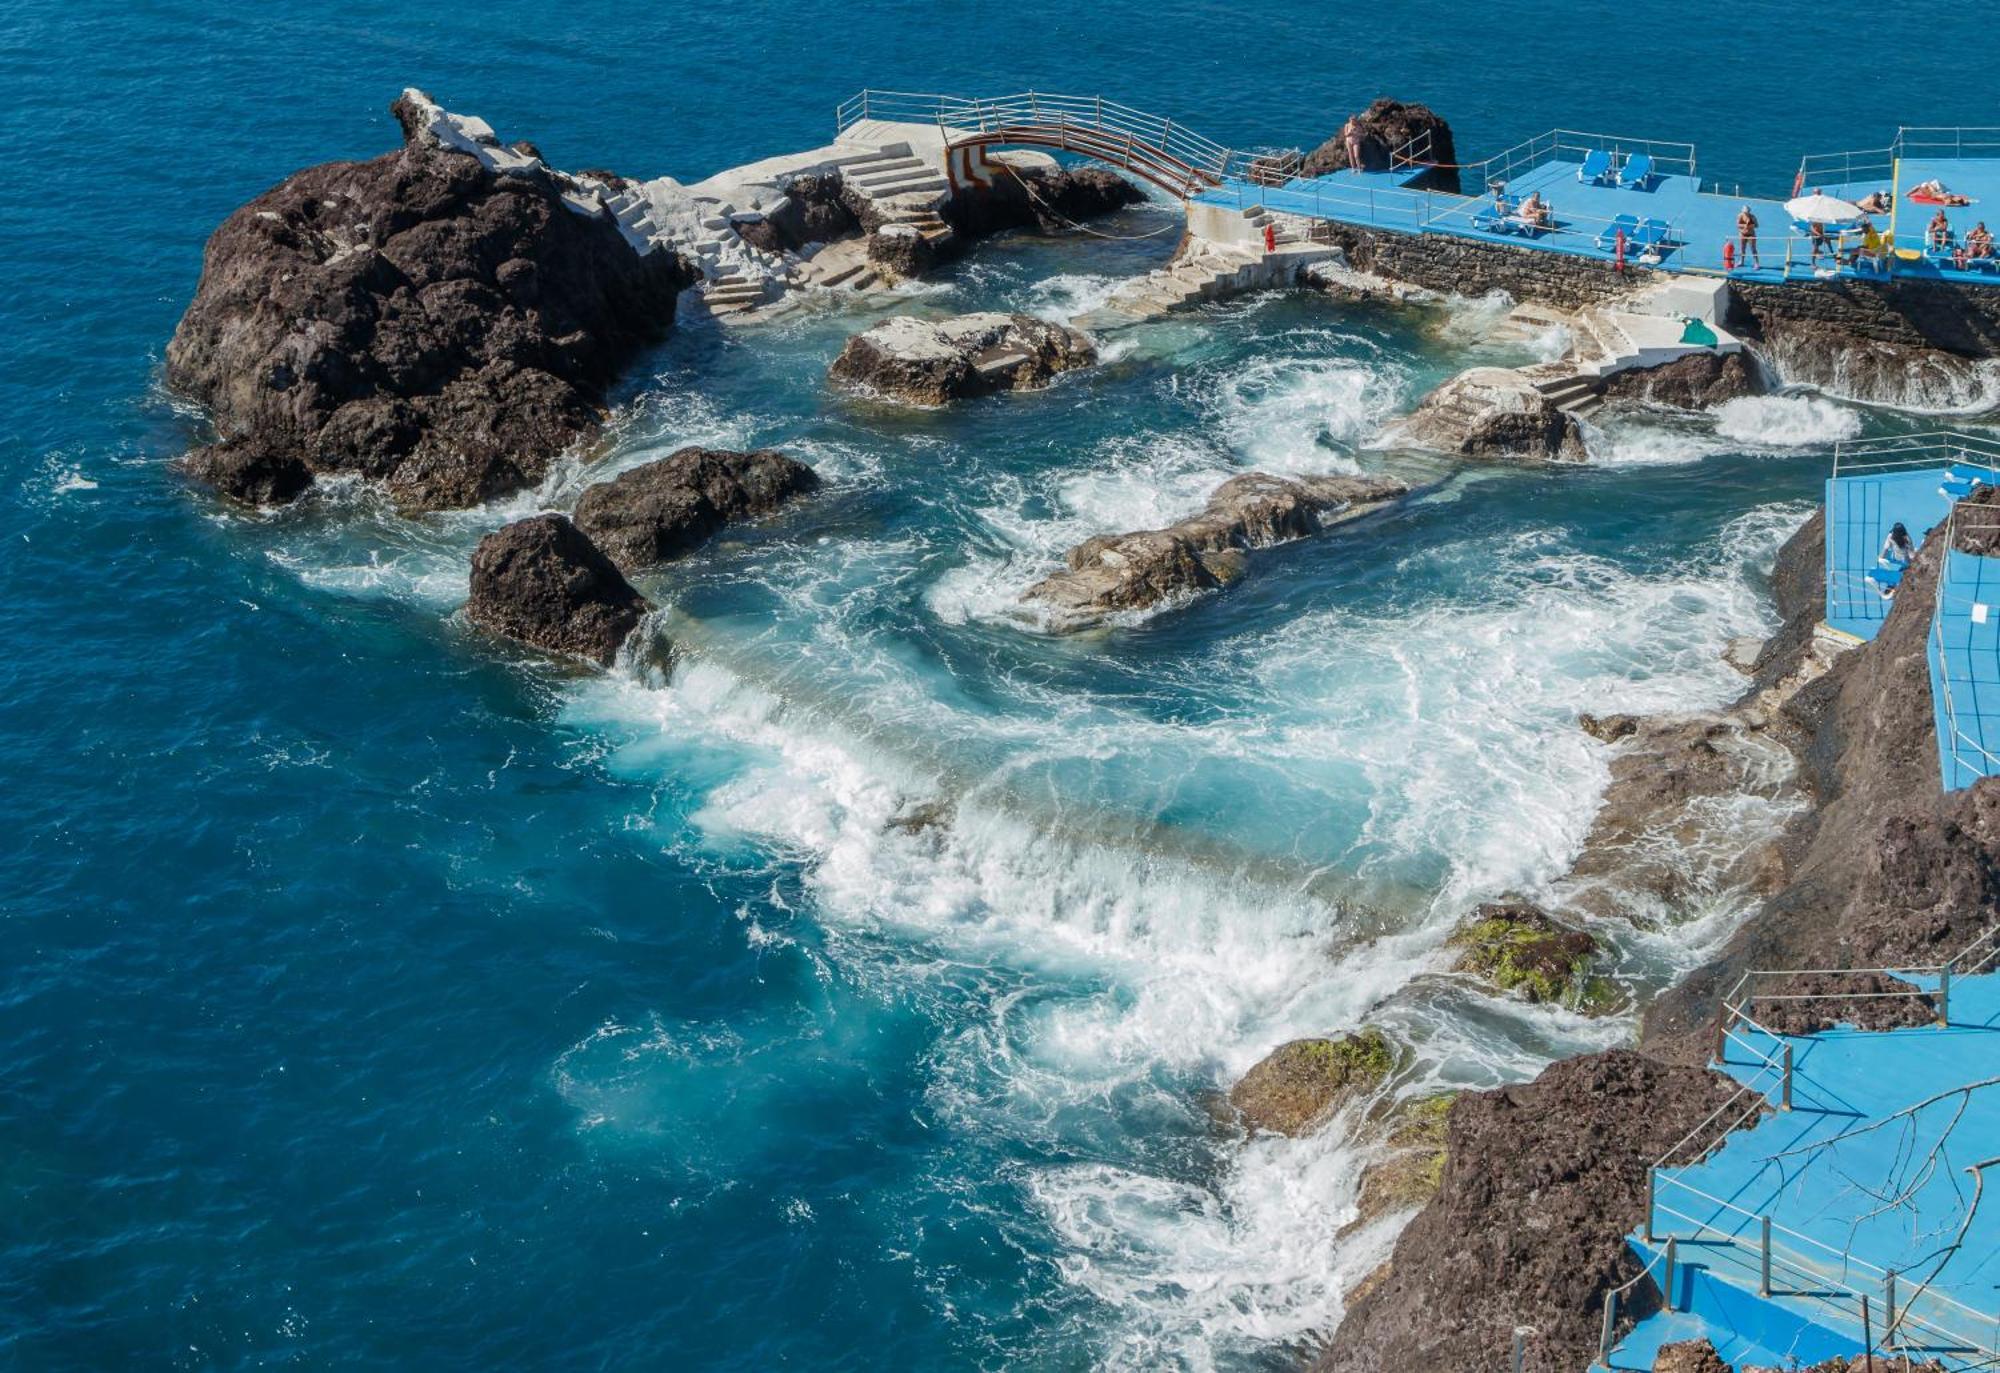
[371, 994]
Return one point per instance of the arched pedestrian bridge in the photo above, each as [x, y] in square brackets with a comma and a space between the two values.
[1151, 147]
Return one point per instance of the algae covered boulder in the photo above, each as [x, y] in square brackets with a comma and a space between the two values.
[1518, 948]
[1408, 1173]
[1300, 1083]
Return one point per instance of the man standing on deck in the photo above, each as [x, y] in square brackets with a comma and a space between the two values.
[1746, 237]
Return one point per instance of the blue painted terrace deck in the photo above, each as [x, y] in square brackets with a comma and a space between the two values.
[1871, 1173]
[1912, 480]
[1701, 222]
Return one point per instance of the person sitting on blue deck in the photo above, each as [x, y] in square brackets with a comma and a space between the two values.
[1876, 203]
[1979, 242]
[1535, 211]
[1938, 232]
[1898, 551]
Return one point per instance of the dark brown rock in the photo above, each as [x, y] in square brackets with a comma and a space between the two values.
[1694, 382]
[1122, 572]
[1864, 1000]
[543, 582]
[901, 250]
[666, 509]
[932, 362]
[1540, 1184]
[1383, 128]
[1048, 199]
[254, 471]
[417, 320]
[1689, 1356]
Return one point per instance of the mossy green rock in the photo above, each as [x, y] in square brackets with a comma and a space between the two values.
[1409, 1174]
[1299, 1084]
[1518, 948]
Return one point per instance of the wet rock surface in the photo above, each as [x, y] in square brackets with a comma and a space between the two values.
[1864, 1000]
[1412, 1164]
[1381, 130]
[1540, 1183]
[934, 362]
[664, 510]
[416, 319]
[1694, 382]
[542, 582]
[1494, 412]
[1298, 1085]
[1123, 572]
[1521, 948]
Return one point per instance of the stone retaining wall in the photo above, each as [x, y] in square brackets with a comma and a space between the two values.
[1906, 312]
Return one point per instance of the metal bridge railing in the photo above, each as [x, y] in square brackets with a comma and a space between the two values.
[1102, 127]
[1937, 142]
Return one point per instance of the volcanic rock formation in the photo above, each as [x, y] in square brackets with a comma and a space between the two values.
[1494, 412]
[666, 509]
[931, 362]
[543, 582]
[1382, 129]
[422, 319]
[1120, 572]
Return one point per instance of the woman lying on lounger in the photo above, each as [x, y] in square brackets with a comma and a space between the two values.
[1876, 203]
[1933, 192]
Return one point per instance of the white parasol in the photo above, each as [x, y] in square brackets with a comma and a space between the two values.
[1820, 208]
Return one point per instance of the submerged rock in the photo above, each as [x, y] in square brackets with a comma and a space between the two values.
[1120, 572]
[543, 582]
[1520, 948]
[1540, 1183]
[1299, 1084]
[420, 319]
[930, 362]
[1382, 129]
[666, 509]
[1495, 412]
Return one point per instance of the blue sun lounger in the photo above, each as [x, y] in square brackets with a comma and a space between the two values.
[1651, 233]
[1608, 240]
[1959, 482]
[1638, 172]
[1596, 168]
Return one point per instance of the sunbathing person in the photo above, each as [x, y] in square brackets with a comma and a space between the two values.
[1746, 238]
[1535, 211]
[1979, 242]
[1877, 203]
[1938, 232]
[1816, 240]
[1934, 192]
[1897, 549]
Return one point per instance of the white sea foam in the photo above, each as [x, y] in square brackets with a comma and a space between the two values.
[1450, 724]
[1789, 421]
[1295, 414]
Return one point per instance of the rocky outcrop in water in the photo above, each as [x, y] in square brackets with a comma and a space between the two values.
[933, 362]
[1880, 372]
[1520, 948]
[419, 319]
[1697, 381]
[541, 581]
[1124, 572]
[664, 510]
[1383, 128]
[1033, 195]
[1494, 412]
[1539, 1184]
[1299, 1084]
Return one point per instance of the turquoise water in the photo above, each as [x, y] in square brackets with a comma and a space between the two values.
[374, 994]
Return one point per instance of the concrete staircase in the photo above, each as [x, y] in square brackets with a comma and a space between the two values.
[1214, 272]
